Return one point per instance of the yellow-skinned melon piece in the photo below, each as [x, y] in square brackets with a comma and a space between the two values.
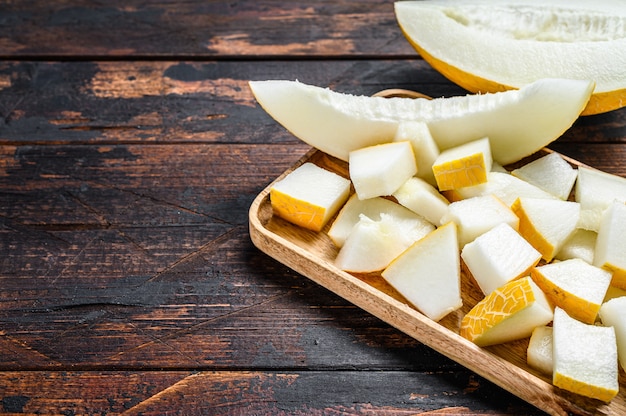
[490, 45]
[509, 313]
[585, 357]
[309, 196]
[575, 286]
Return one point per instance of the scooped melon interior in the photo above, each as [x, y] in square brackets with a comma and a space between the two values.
[490, 46]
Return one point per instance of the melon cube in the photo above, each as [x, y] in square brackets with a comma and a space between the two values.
[475, 216]
[539, 351]
[610, 249]
[422, 198]
[499, 256]
[585, 357]
[575, 286]
[309, 196]
[464, 165]
[550, 173]
[424, 147]
[381, 169]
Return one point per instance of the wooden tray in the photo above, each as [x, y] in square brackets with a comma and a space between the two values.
[311, 254]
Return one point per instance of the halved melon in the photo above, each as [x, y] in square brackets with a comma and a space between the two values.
[490, 45]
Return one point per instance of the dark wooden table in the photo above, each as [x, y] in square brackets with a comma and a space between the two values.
[130, 151]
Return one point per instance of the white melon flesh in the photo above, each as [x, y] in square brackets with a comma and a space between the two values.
[424, 147]
[585, 357]
[309, 196]
[580, 245]
[613, 313]
[595, 190]
[610, 249]
[464, 165]
[372, 208]
[499, 256]
[509, 313]
[428, 274]
[550, 173]
[575, 286]
[489, 45]
[539, 351]
[422, 198]
[372, 245]
[477, 215]
[380, 170]
[517, 122]
[547, 223]
[504, 186]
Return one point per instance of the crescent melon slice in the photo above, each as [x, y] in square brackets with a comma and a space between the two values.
[490, 45]
[517, 122]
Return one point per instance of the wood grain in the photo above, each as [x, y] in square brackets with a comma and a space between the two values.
[200, 29]
[131, 151]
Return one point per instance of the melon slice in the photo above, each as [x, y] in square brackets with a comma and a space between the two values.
[491, 46]
[428, 274]
[539, 351]
[499, 256]
[422, 198]
[585, 357]
[575, 286]
[610, 248]
[464, 165]
[351, 212]
[517, 122]
[380, 170]
[475, 216]
[550, 173]
[424, 147]
[309, 196]
[372, 245]
[509, 313]
[547, 224]
[596, 190]
[613, 313]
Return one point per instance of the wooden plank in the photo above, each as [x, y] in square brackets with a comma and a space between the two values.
[190, 102]
[200, 29]
[80, 393]
[255, 392]
[172, 101]
[104, 262]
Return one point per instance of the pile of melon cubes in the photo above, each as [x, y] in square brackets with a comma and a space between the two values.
[551, 267]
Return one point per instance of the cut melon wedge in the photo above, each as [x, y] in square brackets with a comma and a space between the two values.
[547, 224]
[309, 196]
[509, 313]
[575, 286]
[380, 170]
[464, 165]
[422, 198]
[613, 313]
[517, 122]
[584, 357]
[539, 351]
[499, 256]
[610, 249]
[493, 46]
[550, 173]
[372, 245]
[428, 274]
